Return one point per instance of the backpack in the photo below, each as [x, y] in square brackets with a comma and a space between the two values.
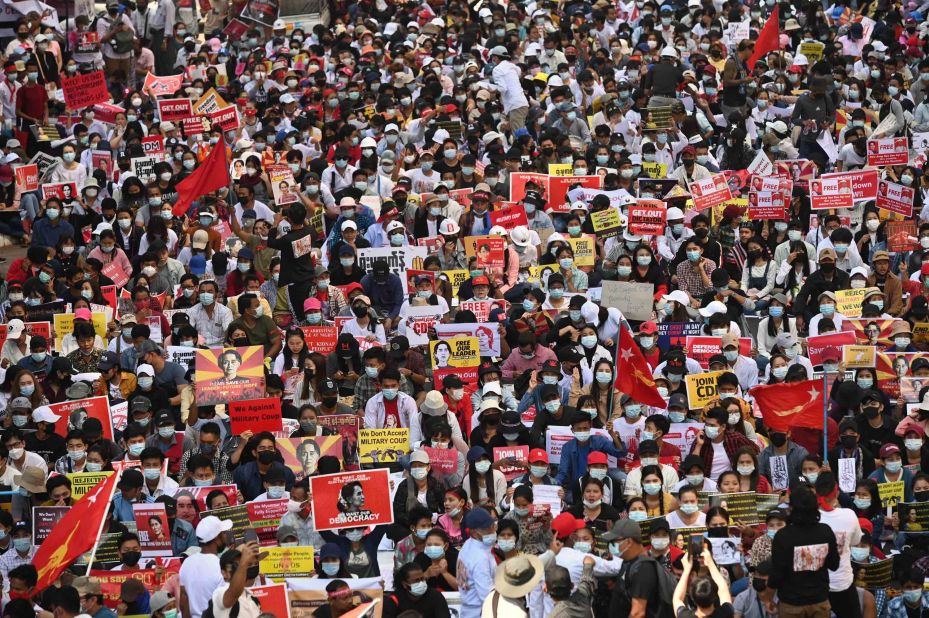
[666, 585]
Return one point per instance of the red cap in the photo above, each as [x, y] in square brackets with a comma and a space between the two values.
[866, 525]
[915, 428]
[889, 449]
[831, 353]
[924, 269]
[538, 454]
[596, 457]
[481, 280]
[648, 328]
[351, 287]
[565, 525]
[82, 314]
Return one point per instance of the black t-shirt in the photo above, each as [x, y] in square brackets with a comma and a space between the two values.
[50, 449]
[636, 580]
[723, 611]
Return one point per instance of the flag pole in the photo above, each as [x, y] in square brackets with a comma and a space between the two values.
[825, 416]
[109, 501]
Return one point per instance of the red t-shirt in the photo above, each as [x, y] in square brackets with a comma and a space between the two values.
[390, 411]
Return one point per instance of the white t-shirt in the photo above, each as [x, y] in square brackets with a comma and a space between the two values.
[847, 530]
[200, 576]
[248, 608]
[675, 521]
[721, 461]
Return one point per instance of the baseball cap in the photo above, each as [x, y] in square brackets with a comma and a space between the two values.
[538, 454]
[209, 527]
[566, 524]
[624, 529]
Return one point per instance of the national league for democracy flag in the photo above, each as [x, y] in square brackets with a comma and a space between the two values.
[211, 175]
[794, 404]
[633, 375]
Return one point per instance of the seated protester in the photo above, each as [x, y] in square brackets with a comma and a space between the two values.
[413, 593]
[596, 514]
[434, 410]
[263, 456]
[385, 291]
[714, 436]
[439, 561]
[84, 359]
[389, 407]
[485, 487]
[44, 441]
[849, 448]
[340, 600]
[575, 453]
[182, 532]
[529, 356]
[130, 492]
[660, 547]
[420, 485]
[488, 381]
[552, 413]
[598, 468]
[411, 363]
[366, 386]
[600, 393]
[207, 442]
[38, 361]
[725, 290]
[365, 322]
[58, 489]
[76, 458]
[156, 484]
[533, 319]
[360, 548]
[875, 427]
[749, 478]
[114, 381]
[129, 549]
[456, 505]
[260, 328]
[688, 513]
[891, 470]
[409, 545]
[648, 455]
[273, 483]
[486, 434]
[781, 446]
[914, 448]
[693, 473]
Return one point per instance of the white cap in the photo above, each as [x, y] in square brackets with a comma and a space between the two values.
[677, 296]
[368, 142]
[590, 312]
[211, 526]
[167, 126]
[448, 228]
[627, 235]
[860, 270]
[103, 225]
[347, 202]
[712, 309]
[675, 213]
[394, 225]
[484, 12]
[279, 25]
[391, 127]
[44, 414]
[497, 230]
[579, 205]
[440, 136]
[287, 98]
[244, 144]
[348, 224]
[801, 61]
[490, 136]
[520, 236]
[492, 388]
[489, 404]
[669, 52]
[15, 328]
[146, 369]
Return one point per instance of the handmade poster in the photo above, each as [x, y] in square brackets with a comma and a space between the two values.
[351, 499]
[347, 426]
[858, 356]
[64, 191]
[283, 186]
[229, 374]
[888, 151]
[84, 89]
[210, 102]
[456, 352]
[238, 515]
[308, 594]
[383, 445]
[159, 86]
[273, 598]
[585, 250]
[152, 527]
[701, 388]
[512, 454]
[302, 455]
[726, 550]
[710, 192]
[863, 181]
[79, 409]
[256, 415]
[847, 474]
[829, 193]
[780, 476]
[489, 250]
[487, 335]
[817, 346]
[895, 198]
[891, 493]
[632, 298]
[647, 217]
[27, 177]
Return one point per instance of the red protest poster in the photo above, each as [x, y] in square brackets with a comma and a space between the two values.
[106, 112]
[229, 374]
[444, 460]
[320, 339]
[199, 494]
[431, 243]
[79, 409]
[901, 235]
[102, 160]
[87, 42]
[468, 375]
[153, 145]
[112, 581]
[509, 217]
[895, 198]
[558, 187]
[272, 597]
[766, 205]
[174, 109]
[648, 217]
[799, 171]
[302, 455]
[816, 346]
[27, 177]
[32, 329]
[347, 426]
[255, 415]
[114, 271]
[265, 518]
[889, 151]
[710, 192]
[351, 499]
[489, 250]
[702, 348]
[151, 522]
[864, 183]
[827, 193]
[412, 274]
[162, 86]
[236, 29]
[515, 453]
[518, 182]
[226, 119]
[65, 191]
[83, 90]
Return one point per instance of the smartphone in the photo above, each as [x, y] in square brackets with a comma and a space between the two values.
[251, 536]
[695, 545]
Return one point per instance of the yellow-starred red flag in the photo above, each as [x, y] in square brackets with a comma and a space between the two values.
[75, 534]
[633, 375]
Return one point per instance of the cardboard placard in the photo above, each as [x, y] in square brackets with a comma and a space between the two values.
[895, 198]
[888, 151]
[710, 192]
[633, 299]
[84, 90]
[858, 356]
[701, 388]
[255, 415]
[229, 374]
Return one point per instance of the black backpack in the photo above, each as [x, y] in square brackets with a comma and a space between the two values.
[666, 585]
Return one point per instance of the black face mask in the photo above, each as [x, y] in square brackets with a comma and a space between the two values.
[827, 268]
[778, 439]
[759, 584]
[330, 402]
[701, 232]
[252, 572]
[360, 311]
[240, 342]
[688, 162]
[266, 457]
[849, 442]
[131, 558]
[872, 412]
[718, 533]
[548, 151]
[921, 496]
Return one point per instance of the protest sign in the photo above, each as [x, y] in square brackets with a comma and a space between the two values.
[111, 582]
[702, 348]
[891, 494]
[83, 482]
[826, 193]
[585, 250]
[79, 409]
[444, 460]
[710, 192]
[456, 352]
[655, 170]
[44, 519]
[283, 185]
[32, 329]
[863, 181]
[512, 454]
[741, 506]
[84, 89]
[767, 205]
[238, 515]
[560, 169]
[320, 339]
[913, 516]
[347, 426]
[910, 387]
[798, 171]
[265, 518]
[283, 562]
[901, 235]
[255, 415]
[182, 355]
[848, 302]
[509, 217]
[487, 335]
[895, 198]
[351, 499]
[633, 299]
[417, 322]
[308, 594]
[399, 260]
[152, 528]
[273, 598]
[488, 250]
[163, 85]
[210, 102]
[172, 110]
[65, 191]
[858, 356]
[302, 455]
[875, 575]
[647, 217]
[548, 495]
[227, 119]
[818, 345]
[606, 223]
[682, 435]
[383, 445]
[701, 388]
[229, 374]
[674, 334]
[888, 151]
[27, 177]
[144, 167]
[153, 145]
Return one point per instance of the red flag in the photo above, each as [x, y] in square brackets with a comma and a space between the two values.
[768, 39]
[74, 534]
[211, 175]
[797, 404]
[633, 376]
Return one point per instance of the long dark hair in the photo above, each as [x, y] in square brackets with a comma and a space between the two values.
[289, 362]
[804, 508]
[488, 483]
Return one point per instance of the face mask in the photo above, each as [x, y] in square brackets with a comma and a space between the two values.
[419, 473]
[695, 479]
[582, 546]
[911, 596]
[690, 509]
[663, 391]
[731, 356]
[632, 412]
[390, 393]
[711, 432]
[779, 372]
[775, 312]
[603, 377]
[482, 467]
[552, 406]
[827, 310]
[589, 341]
[582, 436]
[146, 382]
[136, 449]
[913, 444]
[331, 568]
[91, 466]
[566, 263]
[651, 489]
[830, 367]
[27, 390]
[203, 482]
[811, 477]
[151, 473]
[640, 515]
[505, 545]
[893, 466]
[68, 157]
[521, 512]
[694, 256]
